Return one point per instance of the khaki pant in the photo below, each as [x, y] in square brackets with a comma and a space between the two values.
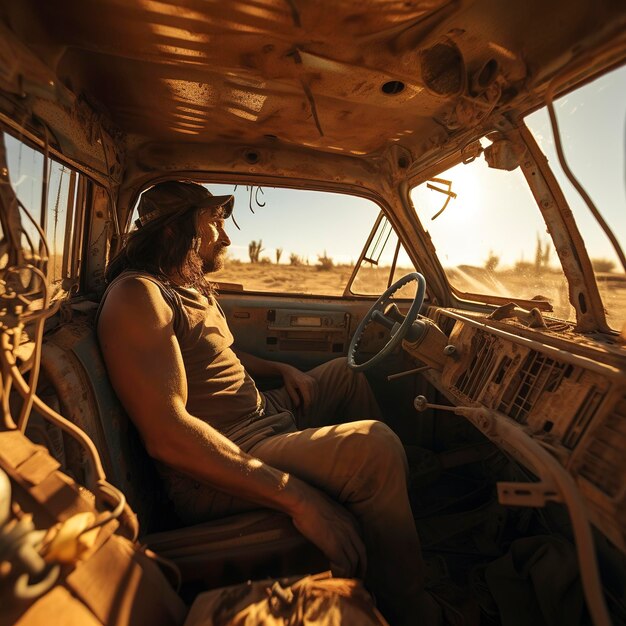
[360, 463]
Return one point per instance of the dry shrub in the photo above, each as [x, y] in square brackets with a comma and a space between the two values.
[602, 265]
[324, 262]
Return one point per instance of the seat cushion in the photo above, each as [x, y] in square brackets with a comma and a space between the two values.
[246, 546]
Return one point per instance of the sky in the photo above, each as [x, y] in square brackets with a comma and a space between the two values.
[306, 223]
[592, 125]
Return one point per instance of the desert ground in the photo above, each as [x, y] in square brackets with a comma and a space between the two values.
[372, 281]
[311, 279]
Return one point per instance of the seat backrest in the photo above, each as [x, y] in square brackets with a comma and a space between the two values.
[234, 549]
[73, 365]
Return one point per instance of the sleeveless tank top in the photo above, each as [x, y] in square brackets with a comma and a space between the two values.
[220, 390]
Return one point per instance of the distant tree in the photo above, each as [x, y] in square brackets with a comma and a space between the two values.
[546, 255]
[538, 255]
[254, 250]
[542, 256]
[279, 252]
[295, 260]
[603, 265]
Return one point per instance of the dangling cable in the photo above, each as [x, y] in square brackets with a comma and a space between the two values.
[100, 485]
[34, 222]
[6, 353]
[33, 379]
[7, 418]
[28, 300]
[570, 175]
[113, 495]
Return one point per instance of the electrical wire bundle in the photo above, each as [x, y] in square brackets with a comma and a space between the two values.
[36, 555]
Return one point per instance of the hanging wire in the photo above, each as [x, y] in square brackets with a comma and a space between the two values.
[22, 300]
[570, 175]
[100, 486]
[111, 494]
[29, 241]
[7, 418]
[259, 189]
[39, 320]
[42, 235]
[451, 195]
[22, 387]
[254, 191]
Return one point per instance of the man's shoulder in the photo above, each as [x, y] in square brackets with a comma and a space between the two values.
[135, 286]
[135, 295]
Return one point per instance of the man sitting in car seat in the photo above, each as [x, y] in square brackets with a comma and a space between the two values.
[223, 446]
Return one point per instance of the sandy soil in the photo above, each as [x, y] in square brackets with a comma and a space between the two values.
[310, 279]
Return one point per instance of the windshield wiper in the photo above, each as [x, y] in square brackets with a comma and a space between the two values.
[448, 192]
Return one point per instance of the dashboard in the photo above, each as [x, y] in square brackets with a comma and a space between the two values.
[567, 396]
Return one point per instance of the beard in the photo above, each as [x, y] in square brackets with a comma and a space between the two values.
[216, 261]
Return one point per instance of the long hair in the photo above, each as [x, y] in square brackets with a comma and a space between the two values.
[164, 250]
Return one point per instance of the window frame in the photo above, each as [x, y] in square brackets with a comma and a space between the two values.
[75, 236]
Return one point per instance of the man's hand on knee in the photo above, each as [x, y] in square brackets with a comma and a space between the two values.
[333, 530]
[301, 387]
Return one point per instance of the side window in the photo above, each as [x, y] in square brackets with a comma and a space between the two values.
[592, 123]
[53, 195]
[295, 241]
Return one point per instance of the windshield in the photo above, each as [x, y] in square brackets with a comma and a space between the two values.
[592, 123]
[491, 238]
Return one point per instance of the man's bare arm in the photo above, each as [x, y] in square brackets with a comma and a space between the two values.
[145, 365]
[301, 387]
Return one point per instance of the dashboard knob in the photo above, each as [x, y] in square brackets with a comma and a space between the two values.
[420, 403]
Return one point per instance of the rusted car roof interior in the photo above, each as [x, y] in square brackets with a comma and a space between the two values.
[371, 98]
[355, 78]
[420, 74]
[202, 71]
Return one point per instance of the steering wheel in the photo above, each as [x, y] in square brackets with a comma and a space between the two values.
[398, 330]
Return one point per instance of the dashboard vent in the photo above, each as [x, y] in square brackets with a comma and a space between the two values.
[583, 418]
[539, 373]
[604, 463]
[478, 374]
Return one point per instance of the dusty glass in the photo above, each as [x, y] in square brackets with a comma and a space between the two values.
[491, 238]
